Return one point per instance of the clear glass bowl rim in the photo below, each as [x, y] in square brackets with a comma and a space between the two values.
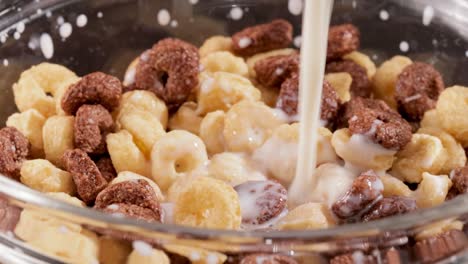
[450, 209]
[16, 192]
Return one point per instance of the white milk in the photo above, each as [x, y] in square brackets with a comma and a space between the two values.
[315, 23]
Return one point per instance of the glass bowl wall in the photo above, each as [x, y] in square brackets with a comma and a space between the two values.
[118, 30]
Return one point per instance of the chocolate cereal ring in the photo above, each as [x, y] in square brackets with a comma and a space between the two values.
[106, 168]
[269, 197]
[132, 211]
[14, 148]
[377, 120]
[459, 177]
[170, 70]
[88, 180]
[390, 206]
[417, 89]
[366, 189]
[288, 99]
[360, 86]
[94, 88]
[273, 71]
[342, 39]
[435, 248]
[92, 124]
[261, 38]
[135, 192]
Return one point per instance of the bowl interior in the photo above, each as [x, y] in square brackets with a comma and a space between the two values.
[118, 30]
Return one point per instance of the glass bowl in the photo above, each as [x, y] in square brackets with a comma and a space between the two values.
[118, 30]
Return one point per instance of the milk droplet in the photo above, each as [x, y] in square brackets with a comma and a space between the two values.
[39, 11]
[236, 13]
[297, 41]
[5, 62]
[466, 53]
[3, 38]
[244, 42]
[65, 30]
[354, 4]
[193, 2]
[20, 27]
[428, 15]
[100, 15]
[113, 207]
[384, 15]
[174, 23]
[295, 7]
[33, 43]
[60, 20]
[81, 20]
[164, 17]
[404, 46]
[16, 35]
[47, 46]
[48, 14]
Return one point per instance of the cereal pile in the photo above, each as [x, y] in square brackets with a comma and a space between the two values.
[207, 137]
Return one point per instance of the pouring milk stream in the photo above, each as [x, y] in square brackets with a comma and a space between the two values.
[315, 26]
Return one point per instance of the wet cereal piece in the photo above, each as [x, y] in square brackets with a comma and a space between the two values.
[377, 120]
[435, 248]
[267, 259]
[273, 71]
[342, 39]
[390, 256]
[390, 206]
[264, 37]
[106, 168]
[14, 148]
[288, 99]
[261, 201]
[92, 124]
[417, 89]
[207, 203]
[170, 70]
[94, 88]
[459, 179]
[307, 216]
[330, 103]
[88, 180]
[134, 192]
[366, 189]
[361, 85]
[132, 211]
[9, 215]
